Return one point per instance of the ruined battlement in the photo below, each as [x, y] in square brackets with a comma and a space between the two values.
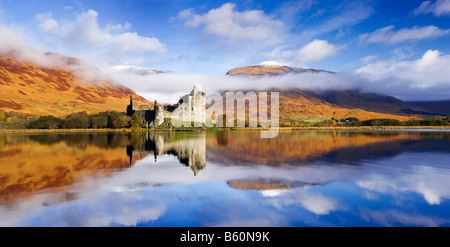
[193, 104]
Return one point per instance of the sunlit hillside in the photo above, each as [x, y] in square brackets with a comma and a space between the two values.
[55, 90]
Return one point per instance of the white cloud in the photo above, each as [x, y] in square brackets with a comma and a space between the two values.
[438, 8]
[426, 78]
[291, 11]
[368, 59]
[132, 42]
[84, 36]
[227, 22]
[338, 17]
[428, 71]
[388, 35]
[47, 23]
[15, 41]
[314, 51]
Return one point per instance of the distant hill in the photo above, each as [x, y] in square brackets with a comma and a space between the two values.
[353, 99]
[440, 107]
[56, 89]
[301, 105]
[271, 69]
[139, 70]
[308, 105]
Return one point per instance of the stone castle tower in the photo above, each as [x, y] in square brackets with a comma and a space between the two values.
[191, 107]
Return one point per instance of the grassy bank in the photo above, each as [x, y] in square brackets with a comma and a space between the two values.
[347, 128]
[129, 130]
[73, 130]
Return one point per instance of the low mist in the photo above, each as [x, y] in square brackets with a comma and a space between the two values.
[167, 87]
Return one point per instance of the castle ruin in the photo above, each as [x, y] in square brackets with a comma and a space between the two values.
[190, 107]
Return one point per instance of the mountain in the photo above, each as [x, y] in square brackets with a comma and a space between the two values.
[440, 107]
[139, 70]
[271, 69]
[308, 105]
[58, 87]
[300, 105]
[353, 99]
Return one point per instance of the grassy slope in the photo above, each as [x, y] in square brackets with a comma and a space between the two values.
[28, 88]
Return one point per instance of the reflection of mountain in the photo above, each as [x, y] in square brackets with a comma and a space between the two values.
[373, 151]
[301, 147]
[51, 162]
[266, 184]
[190, 150]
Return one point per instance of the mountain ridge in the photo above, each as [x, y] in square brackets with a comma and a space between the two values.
[271, 69]
[350, 99]
[56, 89]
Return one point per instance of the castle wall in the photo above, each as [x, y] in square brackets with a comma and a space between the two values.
[192, 109]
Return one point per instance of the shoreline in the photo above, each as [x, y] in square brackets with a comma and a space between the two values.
[223, 129]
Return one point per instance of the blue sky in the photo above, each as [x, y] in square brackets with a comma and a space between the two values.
[376, 38]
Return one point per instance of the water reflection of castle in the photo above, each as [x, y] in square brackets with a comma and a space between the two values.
[189, 149]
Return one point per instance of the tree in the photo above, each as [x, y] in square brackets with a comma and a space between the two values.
[112, 116]
[136, 121]
[2, 116]
[121, 122]
[76, 121]
[46, 122]
[100, 122]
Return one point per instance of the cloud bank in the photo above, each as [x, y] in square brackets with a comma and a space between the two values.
[407, 80]
[84, 35]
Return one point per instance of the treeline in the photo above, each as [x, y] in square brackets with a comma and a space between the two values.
[354, 122]
[80, 120]
[392, 122]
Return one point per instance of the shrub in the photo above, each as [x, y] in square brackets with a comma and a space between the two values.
[136, 121]
[121, 122]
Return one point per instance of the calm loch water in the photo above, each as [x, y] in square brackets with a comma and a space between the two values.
[300, 178]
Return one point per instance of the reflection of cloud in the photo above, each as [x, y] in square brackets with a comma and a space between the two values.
[431, 182]
[272, 193]
[395, 217]
[313, 202]
[98, 209]
[316, 203]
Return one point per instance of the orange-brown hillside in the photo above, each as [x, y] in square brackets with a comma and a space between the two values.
[56, 90]
[296, 105]
[269, 70]
[302, 107]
